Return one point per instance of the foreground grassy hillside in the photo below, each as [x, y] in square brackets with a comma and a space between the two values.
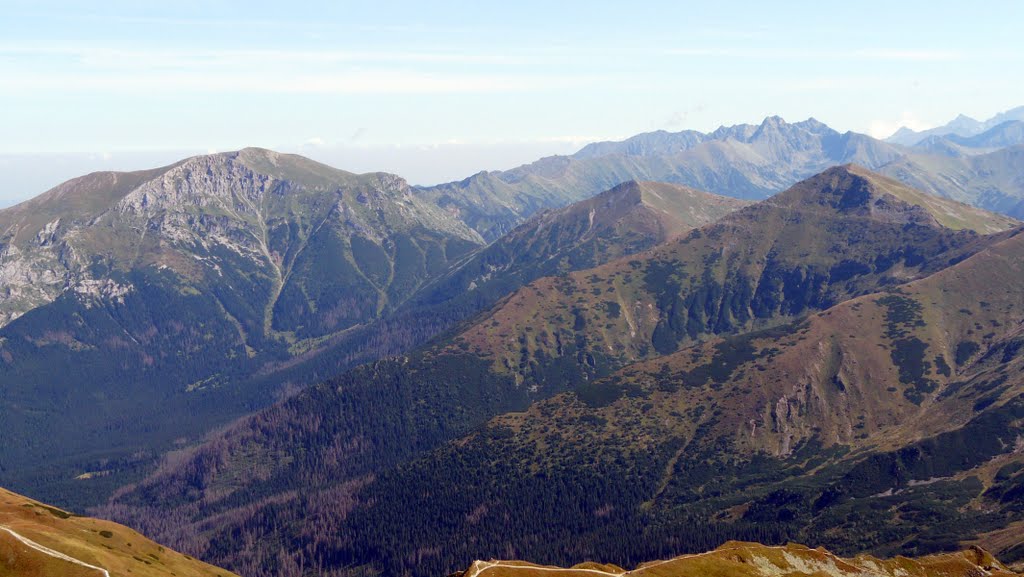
[37, 540]
[738, 559]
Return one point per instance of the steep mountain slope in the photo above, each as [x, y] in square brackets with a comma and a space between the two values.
[627, 219]
[736, 559]
[37, 540]
[891, 423]
[142, 303]
[38, 277]
[961, 126]
[834, 237]
[743, 161]
[993, 181]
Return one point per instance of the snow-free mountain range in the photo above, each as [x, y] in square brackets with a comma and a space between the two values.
[772, 332]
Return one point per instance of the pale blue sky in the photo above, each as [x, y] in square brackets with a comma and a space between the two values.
[436, 90]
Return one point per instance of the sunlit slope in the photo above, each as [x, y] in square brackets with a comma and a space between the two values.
[37, 540]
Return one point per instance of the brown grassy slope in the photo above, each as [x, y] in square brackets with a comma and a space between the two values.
[102, 544]
[739, 559]
[833, 376]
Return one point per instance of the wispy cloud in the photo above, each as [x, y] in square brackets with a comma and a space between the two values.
[374, 82]
[33, 68]
[881, 55]
[111, 57]
[908, 55]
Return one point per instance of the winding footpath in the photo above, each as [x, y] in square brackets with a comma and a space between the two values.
[481, 566]
[32, 544]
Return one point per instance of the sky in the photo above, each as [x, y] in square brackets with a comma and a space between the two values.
[436, 91]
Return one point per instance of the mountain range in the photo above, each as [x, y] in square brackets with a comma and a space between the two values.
[743, 161]
[281, 367]
[670, 400]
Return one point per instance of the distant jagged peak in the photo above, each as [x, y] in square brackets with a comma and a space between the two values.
[813, 125]
[774, 121]
[964, 119]
[662, 142]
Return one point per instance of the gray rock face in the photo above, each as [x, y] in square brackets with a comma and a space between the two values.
[175, 218]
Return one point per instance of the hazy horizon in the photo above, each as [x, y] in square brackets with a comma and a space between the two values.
[436, 93]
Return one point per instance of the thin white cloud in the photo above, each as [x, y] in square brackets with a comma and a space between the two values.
[880, 55]
[373, 82]
[909, 55]
[705, 52]
[110, 57]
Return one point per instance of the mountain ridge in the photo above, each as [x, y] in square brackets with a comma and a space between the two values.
[744, 161]
[987, 180]
[962, 126]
